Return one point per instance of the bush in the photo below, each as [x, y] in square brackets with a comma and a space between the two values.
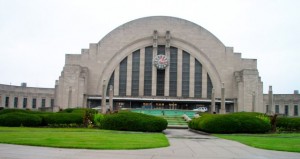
[130, 121]
[73, 125]
[97, 119]
[27, 111]
[88, 117]
[288, 124]
[63, 118]
[6, 111]
[20, 119]
[68, 110]
[18, 116]
[231, 123]
[72, 110]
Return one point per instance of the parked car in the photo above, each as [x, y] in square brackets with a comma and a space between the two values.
[201, 109]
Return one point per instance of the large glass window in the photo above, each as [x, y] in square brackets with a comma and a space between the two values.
[185, 74]
[6, 102]
[198, 79]
[295, 110]
[24, 102]
[43, 103]
[160, 83]
[209, 86]
[160, 80]
[16, 101]
[267, 107]
[148, 71]
[135, 73]
[33, 102]
[110, 82]
[173, 72]
[123, 77]
[286, 110]
[277, 109]
[161, 50]
[52, 103]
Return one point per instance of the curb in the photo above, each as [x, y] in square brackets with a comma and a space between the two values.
[177, 127]
[199, 132]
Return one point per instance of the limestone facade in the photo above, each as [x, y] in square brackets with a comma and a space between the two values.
[23, 97]
[284, 104]
[121, 59]
[200, 71]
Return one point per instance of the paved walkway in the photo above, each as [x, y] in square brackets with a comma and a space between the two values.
[184, 145]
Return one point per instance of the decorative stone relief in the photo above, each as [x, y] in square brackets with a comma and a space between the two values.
[155, 37]
[238, 76]
[168, 39]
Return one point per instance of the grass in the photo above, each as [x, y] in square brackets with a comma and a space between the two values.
[81, 138]
[280, 142]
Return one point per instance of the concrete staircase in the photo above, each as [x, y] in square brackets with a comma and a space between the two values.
[176, 122]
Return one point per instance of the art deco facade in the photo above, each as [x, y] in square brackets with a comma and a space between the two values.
[196, 63]
[160, 63]
[23, 97]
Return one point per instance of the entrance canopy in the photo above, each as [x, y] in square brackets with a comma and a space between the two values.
[163, 99]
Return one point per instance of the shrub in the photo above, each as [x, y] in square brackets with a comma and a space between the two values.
[68, 110]
[97, 119]
[77, 110]
[231, 123]
[88, 117]
[75, 116]
[130, 121]
[63, 118]
[288, 124]
[73, 125]
[20, 119]
[5, 111]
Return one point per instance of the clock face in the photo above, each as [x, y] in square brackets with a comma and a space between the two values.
[161, 62]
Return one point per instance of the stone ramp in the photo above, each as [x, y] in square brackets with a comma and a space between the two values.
[185, 134]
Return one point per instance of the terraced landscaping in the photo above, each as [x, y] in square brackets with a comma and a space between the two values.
[165, 112]
[174, 117]
[176, 121]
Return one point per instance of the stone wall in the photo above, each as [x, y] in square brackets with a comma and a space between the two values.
[23, 93]
[292, 101]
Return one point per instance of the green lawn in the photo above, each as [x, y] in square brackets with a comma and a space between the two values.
[81, 138]
[281, 142]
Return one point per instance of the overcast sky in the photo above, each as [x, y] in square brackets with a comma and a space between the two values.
[35, 35]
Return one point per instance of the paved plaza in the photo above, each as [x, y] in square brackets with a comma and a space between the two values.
[184, 145]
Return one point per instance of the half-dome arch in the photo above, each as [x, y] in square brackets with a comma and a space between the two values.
[195, 47]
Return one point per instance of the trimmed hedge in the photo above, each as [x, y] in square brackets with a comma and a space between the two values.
[6, 111]
[63, 118]
[20, 119]
[97, 119]
[288, 124]
[130, 121]
[231, 123]
[26, 111]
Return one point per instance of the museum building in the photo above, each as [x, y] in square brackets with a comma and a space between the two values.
[161, 62]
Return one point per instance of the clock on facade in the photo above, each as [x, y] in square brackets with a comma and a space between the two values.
[161, 62]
